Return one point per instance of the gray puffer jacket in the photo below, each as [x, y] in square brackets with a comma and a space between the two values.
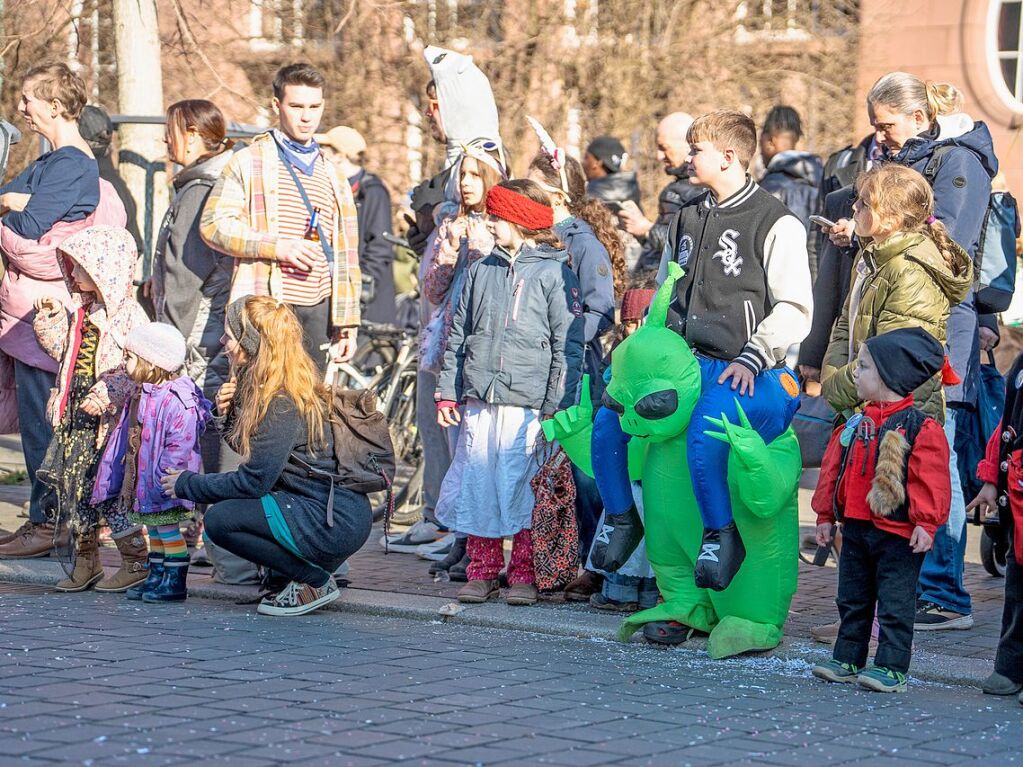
[517, 336]
[191, 281]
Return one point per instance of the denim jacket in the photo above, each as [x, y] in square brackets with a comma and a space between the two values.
[173, 416]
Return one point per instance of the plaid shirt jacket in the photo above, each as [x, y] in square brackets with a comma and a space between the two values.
[241, 220]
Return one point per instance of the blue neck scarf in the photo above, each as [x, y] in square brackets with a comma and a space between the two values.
[301, 156]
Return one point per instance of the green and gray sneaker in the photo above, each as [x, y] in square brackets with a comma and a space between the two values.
[881, 679]
[836, 671]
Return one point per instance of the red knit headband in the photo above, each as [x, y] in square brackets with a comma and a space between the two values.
[511, 206]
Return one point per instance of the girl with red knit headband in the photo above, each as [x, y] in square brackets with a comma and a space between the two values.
[514, 355]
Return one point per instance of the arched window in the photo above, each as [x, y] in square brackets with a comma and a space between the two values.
[1005, 49]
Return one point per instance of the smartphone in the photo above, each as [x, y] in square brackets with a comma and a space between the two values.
[820, 557]
[614, 206]
[822, 222]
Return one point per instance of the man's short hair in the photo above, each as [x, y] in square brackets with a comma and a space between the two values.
[726, 129]
[51, 82]
[298, 74]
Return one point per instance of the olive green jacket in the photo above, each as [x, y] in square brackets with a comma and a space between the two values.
[901, 282]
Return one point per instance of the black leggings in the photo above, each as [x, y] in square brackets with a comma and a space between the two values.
[240, 526]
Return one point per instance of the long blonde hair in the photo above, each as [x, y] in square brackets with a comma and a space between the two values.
[281, 366]
[906, 93]
[903, 198]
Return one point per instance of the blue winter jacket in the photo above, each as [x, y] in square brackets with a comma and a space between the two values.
[962, 188]
[592, 267]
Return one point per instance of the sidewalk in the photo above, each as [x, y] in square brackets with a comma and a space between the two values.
[398, 585]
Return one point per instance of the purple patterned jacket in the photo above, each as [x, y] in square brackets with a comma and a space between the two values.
[173, 417]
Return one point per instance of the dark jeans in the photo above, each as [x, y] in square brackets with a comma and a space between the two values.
[588, 507]
[34, 387]
[876, 569]
[1009, 657]
[240, 526]
[315, 321]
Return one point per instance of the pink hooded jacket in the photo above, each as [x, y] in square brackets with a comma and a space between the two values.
[32, 272]
[108, 255]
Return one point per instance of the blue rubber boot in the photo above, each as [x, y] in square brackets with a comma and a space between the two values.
[172, 587]
[155, 576]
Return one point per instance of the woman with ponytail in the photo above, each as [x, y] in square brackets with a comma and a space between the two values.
[273, 510]
[921, 125]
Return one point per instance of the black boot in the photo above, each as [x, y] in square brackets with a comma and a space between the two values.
[456, 573]
[151, 582]
[721, 555]
[453, 558]
[173, 587]
[617, 539]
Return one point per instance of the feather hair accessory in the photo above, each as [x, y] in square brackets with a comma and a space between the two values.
[555, 153]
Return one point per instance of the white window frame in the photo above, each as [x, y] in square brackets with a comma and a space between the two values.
[994, 58]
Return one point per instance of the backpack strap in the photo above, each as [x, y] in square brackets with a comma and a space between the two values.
[934, 164]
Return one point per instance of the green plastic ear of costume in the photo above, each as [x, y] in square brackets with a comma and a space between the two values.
[654, 370]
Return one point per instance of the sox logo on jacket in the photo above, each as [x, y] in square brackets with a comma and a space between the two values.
[730, 259]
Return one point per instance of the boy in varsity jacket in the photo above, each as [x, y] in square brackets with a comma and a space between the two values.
[744, 300]
[885, 478]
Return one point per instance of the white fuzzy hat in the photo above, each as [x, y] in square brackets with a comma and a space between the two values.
[158, 344]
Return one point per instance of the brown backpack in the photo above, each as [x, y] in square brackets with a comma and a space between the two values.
[363, 452]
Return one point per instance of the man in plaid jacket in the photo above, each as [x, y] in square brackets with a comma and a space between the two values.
[265, 207]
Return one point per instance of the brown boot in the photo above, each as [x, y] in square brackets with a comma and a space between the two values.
[87, 570]
[28, 542]
[7, 536]
[133, 570]
[583, 587]
[477, 592]
[522, 594]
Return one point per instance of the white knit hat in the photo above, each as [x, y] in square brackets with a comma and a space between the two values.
[159, 344]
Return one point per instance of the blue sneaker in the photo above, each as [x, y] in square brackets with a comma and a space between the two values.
[881, 679]
[836, 671]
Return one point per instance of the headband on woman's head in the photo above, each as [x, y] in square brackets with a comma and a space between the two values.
[479, 150]
[243, 332]
[511, 206]
[553, 152]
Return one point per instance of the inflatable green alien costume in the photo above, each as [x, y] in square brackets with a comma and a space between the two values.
[763, 479]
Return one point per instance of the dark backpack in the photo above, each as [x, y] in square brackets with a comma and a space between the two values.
[995, 260]
[363, 452]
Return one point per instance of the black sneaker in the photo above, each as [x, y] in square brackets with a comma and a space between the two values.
[932, 617]
[455, 555]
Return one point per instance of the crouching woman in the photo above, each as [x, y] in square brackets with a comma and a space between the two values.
[272, 510]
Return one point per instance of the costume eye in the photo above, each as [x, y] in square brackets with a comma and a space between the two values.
[660, 404]
[611, 403]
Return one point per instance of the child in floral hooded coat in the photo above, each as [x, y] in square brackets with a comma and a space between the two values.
[92, 386]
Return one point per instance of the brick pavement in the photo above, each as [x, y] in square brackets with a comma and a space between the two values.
[95, 680]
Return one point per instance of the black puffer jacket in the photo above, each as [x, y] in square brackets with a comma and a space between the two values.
[614, 187]
[795, 179]
[671, 199]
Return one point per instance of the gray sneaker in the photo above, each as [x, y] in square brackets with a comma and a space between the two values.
[299, 599]
[407, 543]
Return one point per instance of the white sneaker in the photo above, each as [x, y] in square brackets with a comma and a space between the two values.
[407, 543]
[437, 550]
[299, 599]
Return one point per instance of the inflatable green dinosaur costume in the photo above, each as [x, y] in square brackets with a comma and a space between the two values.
[763, 479]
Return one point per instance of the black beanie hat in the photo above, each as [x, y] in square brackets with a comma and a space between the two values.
[610, 151]
[906, 358]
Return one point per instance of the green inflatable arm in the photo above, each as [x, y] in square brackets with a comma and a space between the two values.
[572, 428]
[762, 476]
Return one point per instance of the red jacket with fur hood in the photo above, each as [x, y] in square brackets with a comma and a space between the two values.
[927, 485]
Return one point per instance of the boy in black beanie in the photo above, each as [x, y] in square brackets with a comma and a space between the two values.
[885, 479]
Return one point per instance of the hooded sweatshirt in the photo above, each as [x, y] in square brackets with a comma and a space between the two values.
[108, 255]
[902, 281]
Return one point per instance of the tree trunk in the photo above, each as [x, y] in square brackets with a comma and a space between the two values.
[140, 93]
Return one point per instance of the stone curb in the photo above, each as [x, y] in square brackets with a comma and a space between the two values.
[553, 620]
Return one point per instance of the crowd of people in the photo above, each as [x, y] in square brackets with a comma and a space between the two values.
[859, 269]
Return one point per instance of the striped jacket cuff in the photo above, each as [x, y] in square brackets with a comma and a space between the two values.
[751, 359]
